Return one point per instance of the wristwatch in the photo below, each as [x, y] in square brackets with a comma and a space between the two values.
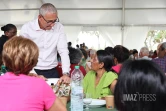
[66, 73]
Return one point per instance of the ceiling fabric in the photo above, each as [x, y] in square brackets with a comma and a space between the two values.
[109, 17]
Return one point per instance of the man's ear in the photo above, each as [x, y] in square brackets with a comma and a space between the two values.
[39, 16]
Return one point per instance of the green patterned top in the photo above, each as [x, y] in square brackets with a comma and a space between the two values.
[103, 87]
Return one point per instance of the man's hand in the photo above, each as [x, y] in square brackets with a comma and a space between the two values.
[65, 79]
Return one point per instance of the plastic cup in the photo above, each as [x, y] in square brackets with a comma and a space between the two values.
[109, 102]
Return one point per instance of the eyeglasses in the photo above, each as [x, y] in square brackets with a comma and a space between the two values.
[50, 21]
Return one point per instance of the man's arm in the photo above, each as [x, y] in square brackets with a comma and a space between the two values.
[64, 53]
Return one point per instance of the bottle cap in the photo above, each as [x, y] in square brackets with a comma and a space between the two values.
[77, 67]
[3, 67]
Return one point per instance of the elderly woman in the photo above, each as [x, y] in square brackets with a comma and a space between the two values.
[75, 56]
[141, 86]
[100, 82]
[18, 91]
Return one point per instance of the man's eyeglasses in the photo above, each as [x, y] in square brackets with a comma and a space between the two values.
[50, 21]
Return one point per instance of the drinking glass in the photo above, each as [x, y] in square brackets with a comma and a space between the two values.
[87, 100]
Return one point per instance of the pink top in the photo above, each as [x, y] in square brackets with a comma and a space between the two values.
[24, 93]
[117, 68]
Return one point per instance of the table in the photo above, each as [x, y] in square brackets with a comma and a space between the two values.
[95, 109]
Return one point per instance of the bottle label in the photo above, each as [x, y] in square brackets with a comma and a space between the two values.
[77, 98]
[77, 90]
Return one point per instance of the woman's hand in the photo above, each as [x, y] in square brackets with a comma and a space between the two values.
[102, 98]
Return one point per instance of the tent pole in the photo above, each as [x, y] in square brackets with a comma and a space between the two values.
[123, 20]
[42, 1]
[122, 29]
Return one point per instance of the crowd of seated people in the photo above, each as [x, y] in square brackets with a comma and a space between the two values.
[159, 55]
[119, 54]
[110, 72]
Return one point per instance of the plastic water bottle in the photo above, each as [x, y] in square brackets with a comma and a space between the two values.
[3, 70]
[77, 90]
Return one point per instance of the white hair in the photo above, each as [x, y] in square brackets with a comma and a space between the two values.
[144, 50]
[47, 7]
[92, 51]
[163, 46]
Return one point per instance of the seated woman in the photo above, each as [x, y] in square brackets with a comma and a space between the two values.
[88, 63]
[18, 90]
[121, 54]
[75, 56]
[100, 81]
[141, 86]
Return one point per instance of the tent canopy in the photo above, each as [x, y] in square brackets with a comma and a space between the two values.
[123, 22]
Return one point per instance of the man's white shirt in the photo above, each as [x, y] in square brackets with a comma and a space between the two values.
[48, 42]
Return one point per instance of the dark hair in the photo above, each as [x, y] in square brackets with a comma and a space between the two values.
[75, 55]
[69, 44]
[77, 46]
[109, 50]
[81, 46]
[84, 53]
[135, 51]
[106, 58]
[121, 53]
[140, 77]
[8, 27]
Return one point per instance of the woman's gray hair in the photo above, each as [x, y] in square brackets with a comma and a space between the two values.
[75, 55]
[47, 7]
[163, 46]
[144, 50]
